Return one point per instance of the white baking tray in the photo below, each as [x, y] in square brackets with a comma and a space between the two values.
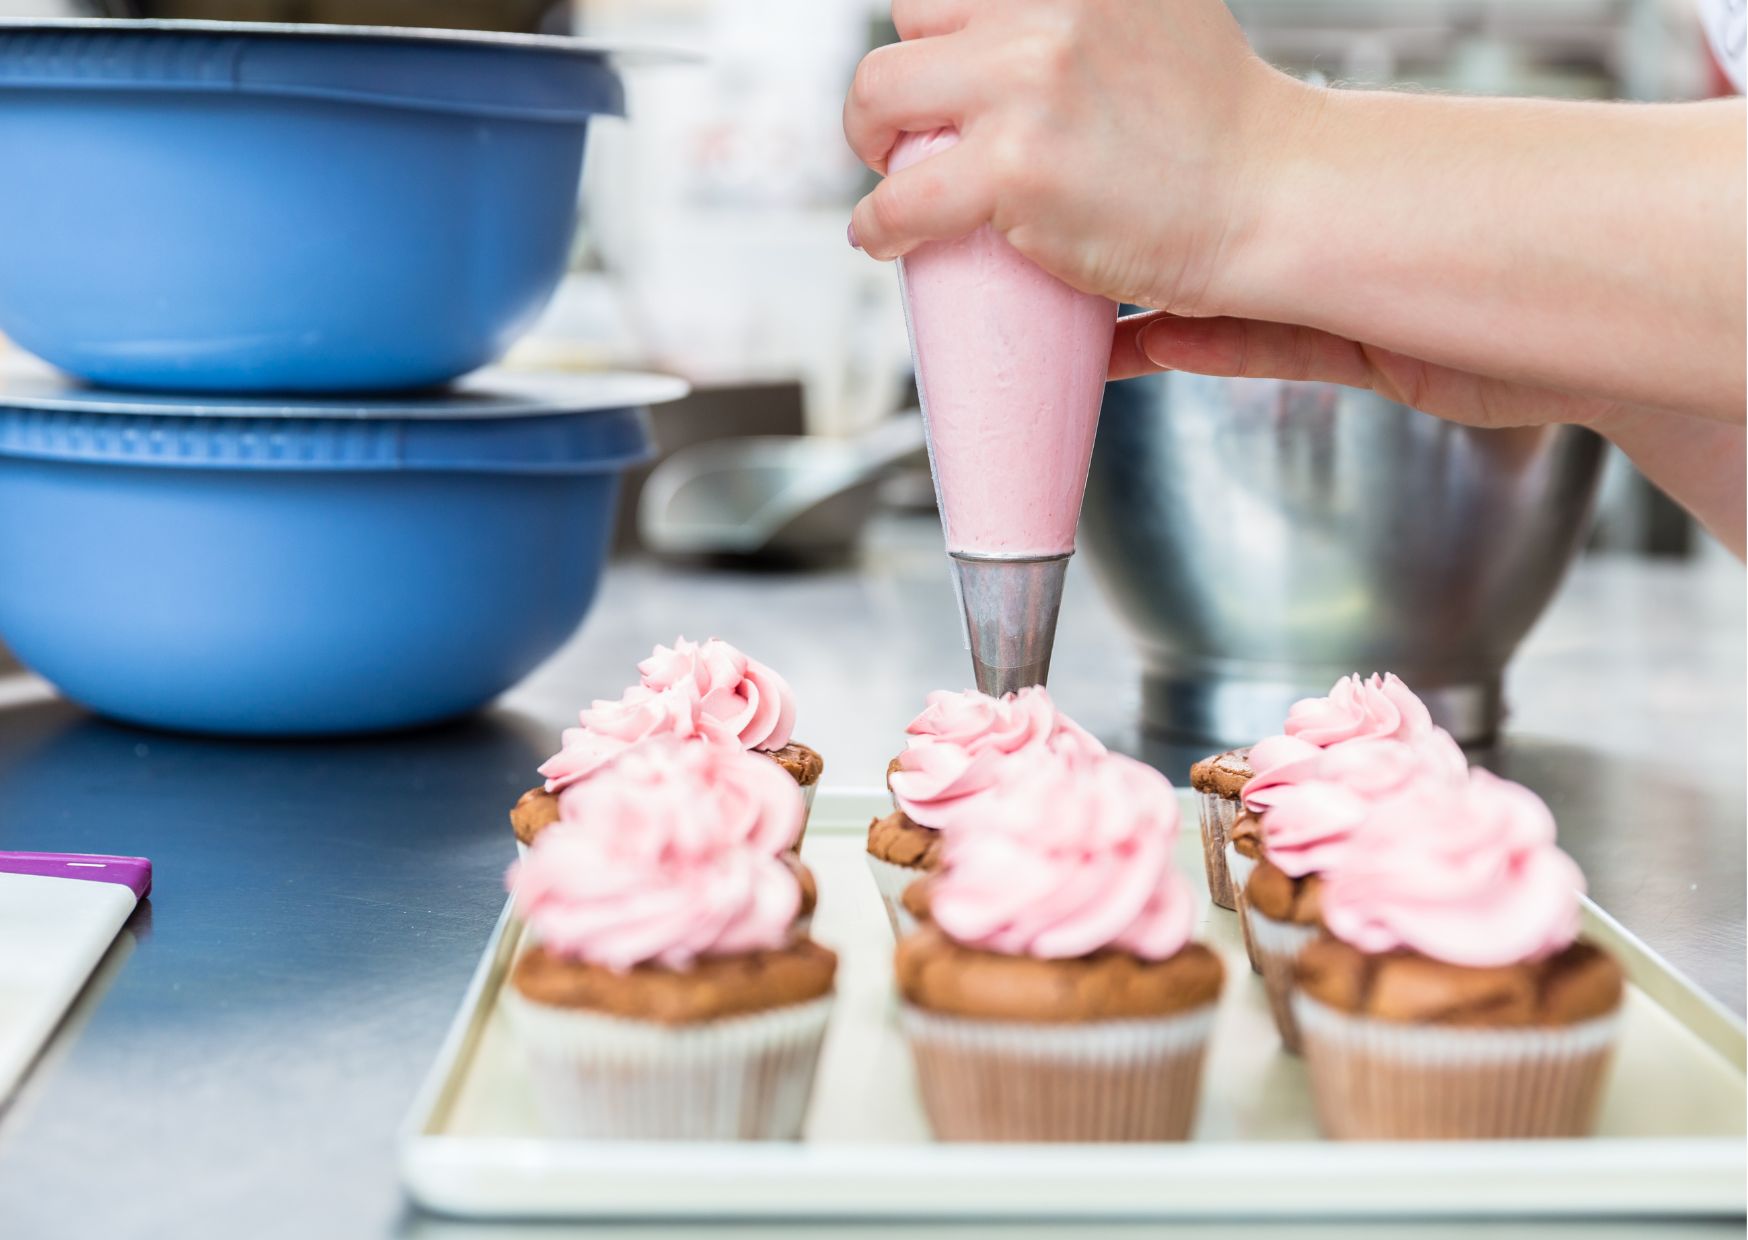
[1670, 1140]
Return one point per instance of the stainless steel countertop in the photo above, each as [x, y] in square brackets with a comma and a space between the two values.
[250, 1046]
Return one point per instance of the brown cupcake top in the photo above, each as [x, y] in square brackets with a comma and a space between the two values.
[897, 839]
[714, 987]
[804, 765]
[1277, 895]
[892, 769]
[939, 975]
[534, 811]
[1223, 774]
[1581, 983]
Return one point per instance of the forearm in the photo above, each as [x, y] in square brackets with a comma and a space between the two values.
[1700, 464]
[1593, 248]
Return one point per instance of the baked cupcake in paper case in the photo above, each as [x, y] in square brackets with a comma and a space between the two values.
[707, 691]
[1051, 991]
[1318, 801]
[1381, 708]
[1451, 998]
[666, 992]
[1217, 780]
[1279, 762]
[900, 852]
[960, 746]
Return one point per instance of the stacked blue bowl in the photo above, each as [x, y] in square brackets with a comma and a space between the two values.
[271, 246]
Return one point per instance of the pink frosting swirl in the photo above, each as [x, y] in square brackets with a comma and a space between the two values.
[1310, 823]
[1280, 762]
[608, 728]
[1276, 762]
[738, 698]
[709, 690]
[1382, 708]
[1468, 875]
[963, 744]
[668, 853]
[1073, 855]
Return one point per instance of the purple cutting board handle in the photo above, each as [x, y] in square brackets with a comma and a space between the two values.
[134, 873]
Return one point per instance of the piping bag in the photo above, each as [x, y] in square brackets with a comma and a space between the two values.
[1010, 370]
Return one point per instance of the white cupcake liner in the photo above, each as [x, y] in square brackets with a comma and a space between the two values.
[1388, 1080]
[598, 1077]
[1218, 815]
[1239, 867]
[1112, 1080]
[890, 879]
[1278, 944]
[807, 794]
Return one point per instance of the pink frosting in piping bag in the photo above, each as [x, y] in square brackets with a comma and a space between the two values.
[964, 743]
[1468, 875]
[708, 690]
[1011, 366]
[1070, 855]
[668, 853]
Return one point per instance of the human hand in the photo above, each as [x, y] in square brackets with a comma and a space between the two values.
[1122, 145]
[1251, 348]
[1698, 461]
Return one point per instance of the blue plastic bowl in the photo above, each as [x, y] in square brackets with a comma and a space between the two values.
[272, 572]
[201, 207]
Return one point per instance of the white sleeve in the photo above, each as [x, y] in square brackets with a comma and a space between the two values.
[1726, 24]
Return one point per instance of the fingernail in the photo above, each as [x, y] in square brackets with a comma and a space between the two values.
[850, 235]
[1167, 337]
[1144, 341]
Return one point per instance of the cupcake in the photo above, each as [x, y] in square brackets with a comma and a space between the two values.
[665, 992]
[961, 745]
[1319, 800]
[1382, 708]
[1450, 997]
[710, 692]
[1050, 991]
[1218, 781]
[900, 852]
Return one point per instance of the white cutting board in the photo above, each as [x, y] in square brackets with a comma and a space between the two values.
[59, 912]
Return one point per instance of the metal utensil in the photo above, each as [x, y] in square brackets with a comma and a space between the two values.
[775, 496]
[1262, 538]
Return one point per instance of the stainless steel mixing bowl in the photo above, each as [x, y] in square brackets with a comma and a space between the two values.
[1262, 538]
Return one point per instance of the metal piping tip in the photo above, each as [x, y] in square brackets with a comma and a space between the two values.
[1011, 606]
